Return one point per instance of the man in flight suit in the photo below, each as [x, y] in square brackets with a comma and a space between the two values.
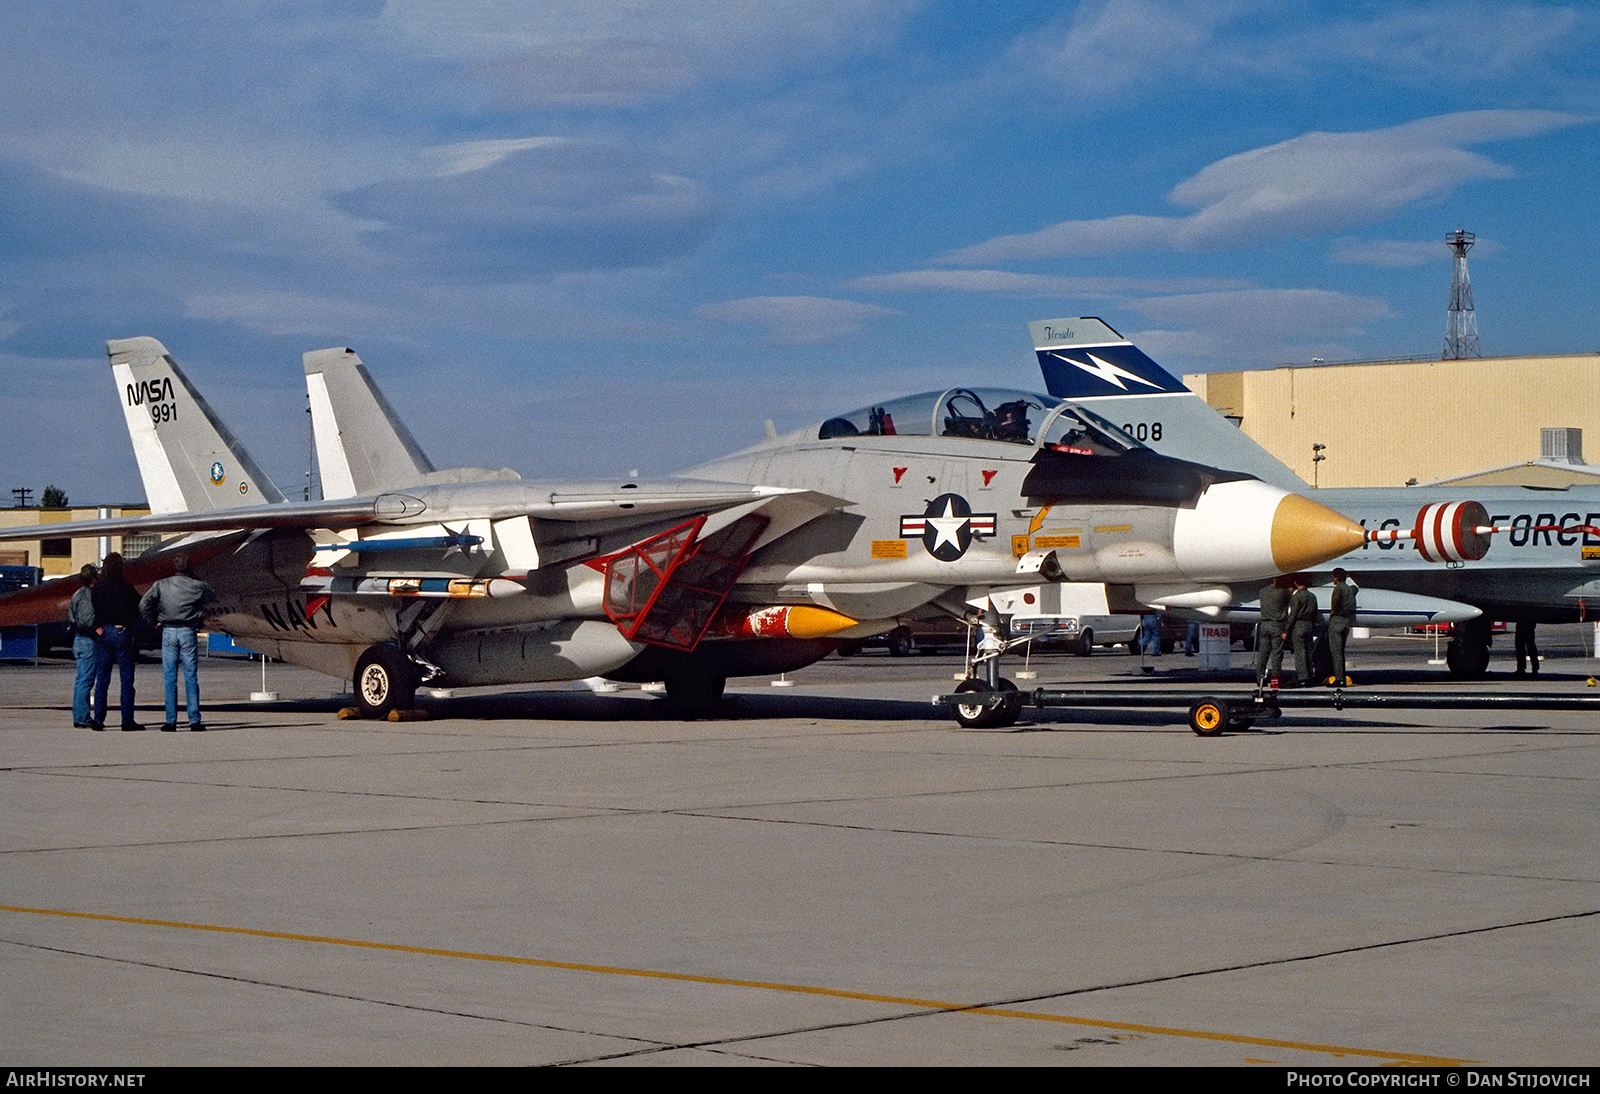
[1302, 622]
[1270, 632]
[1341, 617]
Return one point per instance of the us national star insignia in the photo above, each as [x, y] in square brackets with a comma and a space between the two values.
[947, 527]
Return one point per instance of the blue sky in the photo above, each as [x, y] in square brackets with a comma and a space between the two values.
[583, 238]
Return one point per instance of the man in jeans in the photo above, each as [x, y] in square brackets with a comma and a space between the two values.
[80, 614]
[116, 613]
[178, 604]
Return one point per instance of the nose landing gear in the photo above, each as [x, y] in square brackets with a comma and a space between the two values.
[1002, 702]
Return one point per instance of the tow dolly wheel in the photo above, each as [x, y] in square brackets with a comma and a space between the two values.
[1209, 717]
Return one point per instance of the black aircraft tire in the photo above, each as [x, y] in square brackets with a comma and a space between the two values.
[1011, 709]
[695, 688]
[384, 681]
[901, 643]
[1209, 717]
[977, 716]
[1466, 659]
[1467, 655]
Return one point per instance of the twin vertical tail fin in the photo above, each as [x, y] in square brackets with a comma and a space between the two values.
[1084, 360]
[362, 445]
[190, 462]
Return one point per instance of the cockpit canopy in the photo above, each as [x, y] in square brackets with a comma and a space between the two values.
[991, 414]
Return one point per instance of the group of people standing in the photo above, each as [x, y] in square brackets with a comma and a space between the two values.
[104, 614]
[1289, 615]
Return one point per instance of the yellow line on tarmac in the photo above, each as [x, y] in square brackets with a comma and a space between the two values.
[762, 985]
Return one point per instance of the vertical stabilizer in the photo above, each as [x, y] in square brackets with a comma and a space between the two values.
[189, 461]
[1084, 360]
[362, 445]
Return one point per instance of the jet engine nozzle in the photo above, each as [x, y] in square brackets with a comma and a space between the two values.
[1249, 529]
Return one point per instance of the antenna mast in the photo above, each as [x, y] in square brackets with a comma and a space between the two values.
[1461, 328]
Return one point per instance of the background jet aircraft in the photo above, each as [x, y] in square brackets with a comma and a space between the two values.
[756, 563]
[1544, 569]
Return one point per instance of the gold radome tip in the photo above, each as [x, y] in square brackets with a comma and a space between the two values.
[1306, 534]
[805, 621]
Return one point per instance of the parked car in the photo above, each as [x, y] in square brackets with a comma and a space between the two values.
[1078, 634]
[914, 636]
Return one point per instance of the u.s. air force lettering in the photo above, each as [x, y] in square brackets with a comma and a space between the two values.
[947, 527]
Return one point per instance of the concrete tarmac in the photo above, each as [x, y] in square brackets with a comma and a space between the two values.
[829, 873]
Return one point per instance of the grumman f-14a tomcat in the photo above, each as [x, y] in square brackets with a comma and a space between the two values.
[756, 563]
[1545, 571]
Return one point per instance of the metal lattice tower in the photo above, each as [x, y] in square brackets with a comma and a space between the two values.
[1461, 328]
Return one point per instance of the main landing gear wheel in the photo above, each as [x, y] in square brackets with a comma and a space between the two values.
[1467, 655]
[984, 715]
[695, 689]
[384, 681]
[1209, 717]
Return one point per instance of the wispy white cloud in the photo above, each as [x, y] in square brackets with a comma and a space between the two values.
[797, 319]
[1309, 186]
[1401, 253]
[531, 208]
[615, 52]
[1384, 253]
[1009, 283]
[1107, 49]
[1198, 331]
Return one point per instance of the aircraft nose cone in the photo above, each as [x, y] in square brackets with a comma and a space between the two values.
[1247, 529]
[1306, 534]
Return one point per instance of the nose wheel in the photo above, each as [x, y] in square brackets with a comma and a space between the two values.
[993, 708]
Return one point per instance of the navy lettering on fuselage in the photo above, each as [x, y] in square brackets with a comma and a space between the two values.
[291, 615]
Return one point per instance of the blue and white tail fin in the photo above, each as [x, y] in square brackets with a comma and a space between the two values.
[362, 445]
[1084, 360]
[190, 462]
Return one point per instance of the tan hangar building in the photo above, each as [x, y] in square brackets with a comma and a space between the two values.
[1389, 423]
